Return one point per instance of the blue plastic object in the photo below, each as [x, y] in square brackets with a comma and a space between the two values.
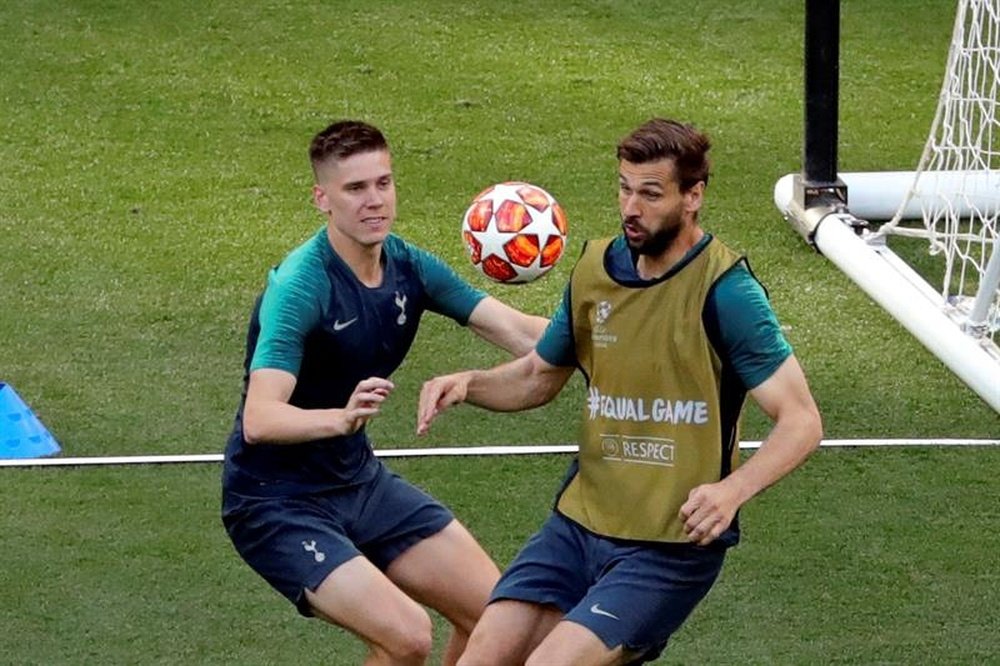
[22, 435]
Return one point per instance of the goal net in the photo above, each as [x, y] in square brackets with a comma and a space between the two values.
[947, 297]
[956, 187]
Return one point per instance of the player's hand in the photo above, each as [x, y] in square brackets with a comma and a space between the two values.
[365, 402]
[437, 395]
[708, 511]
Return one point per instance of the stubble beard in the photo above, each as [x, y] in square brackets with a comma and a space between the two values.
[654, 245]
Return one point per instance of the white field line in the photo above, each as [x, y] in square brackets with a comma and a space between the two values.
[452, 451]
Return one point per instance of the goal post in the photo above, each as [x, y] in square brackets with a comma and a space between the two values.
[952, 200]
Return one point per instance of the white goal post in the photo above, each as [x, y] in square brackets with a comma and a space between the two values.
[952, 201]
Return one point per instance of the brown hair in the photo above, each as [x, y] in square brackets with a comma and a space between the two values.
[343, 139]
[659, 139]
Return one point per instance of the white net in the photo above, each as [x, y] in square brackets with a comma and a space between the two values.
[957, 183]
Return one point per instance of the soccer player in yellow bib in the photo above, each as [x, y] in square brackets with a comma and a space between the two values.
[671, 330]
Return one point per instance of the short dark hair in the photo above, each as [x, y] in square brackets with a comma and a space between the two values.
[343, 139]
[659, 138]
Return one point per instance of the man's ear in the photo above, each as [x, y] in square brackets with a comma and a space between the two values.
[694, 197]
[319, 199]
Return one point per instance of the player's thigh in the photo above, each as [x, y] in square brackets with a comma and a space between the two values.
[396, 515]
[552, 569]
[359, 597]
[645, 595]
[448, 571]
[508, 631]
[293, 543]
[418, 543]
[570, 644]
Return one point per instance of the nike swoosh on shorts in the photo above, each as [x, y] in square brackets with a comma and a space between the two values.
[597, 610]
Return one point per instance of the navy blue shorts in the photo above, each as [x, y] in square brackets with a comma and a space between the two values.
[294, 543]
[635, 595]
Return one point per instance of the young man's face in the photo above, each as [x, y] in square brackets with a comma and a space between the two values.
[652, 206]
[359, 194]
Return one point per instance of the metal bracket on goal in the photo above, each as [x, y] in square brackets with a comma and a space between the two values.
[813, 201]
[808, 194]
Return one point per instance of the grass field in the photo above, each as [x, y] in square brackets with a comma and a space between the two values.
[154, 167]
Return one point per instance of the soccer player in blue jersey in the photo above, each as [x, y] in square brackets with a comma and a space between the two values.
[671, 331]
[305, 501]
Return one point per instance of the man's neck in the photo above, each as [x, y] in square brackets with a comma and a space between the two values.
[365, 261]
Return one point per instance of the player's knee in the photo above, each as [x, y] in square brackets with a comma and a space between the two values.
[539, 660]
[412, 644]
[473, 654]
[464, 619]
[473, 657]
[481, 651]
[549, 658]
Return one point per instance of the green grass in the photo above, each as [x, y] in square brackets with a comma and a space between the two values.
[862, 557]
[154, 167]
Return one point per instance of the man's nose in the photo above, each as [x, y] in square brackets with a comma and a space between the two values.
[375, 198]
[630, 207]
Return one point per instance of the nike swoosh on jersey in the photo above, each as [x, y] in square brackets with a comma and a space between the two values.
[341, 325]
[597, 610]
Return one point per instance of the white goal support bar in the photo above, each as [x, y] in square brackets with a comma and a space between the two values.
[528, 449]
[903, 294]
[877, 195]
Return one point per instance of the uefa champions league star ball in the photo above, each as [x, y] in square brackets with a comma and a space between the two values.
[514, 232]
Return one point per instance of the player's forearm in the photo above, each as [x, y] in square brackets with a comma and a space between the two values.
[526, 334]
[508, 328]
[515, 386]
[275, 422]
[523, 383]
[792, 439]
[495, 391]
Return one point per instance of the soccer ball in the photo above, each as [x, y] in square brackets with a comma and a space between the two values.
[514, 232]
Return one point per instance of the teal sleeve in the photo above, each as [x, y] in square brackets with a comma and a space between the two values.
[743, 328]
[448, 294]
[556, 345]
[289, 310]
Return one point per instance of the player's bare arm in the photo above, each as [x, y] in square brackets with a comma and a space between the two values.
[797, 431]
[269, 419]
[506, 327]
[523, 383]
